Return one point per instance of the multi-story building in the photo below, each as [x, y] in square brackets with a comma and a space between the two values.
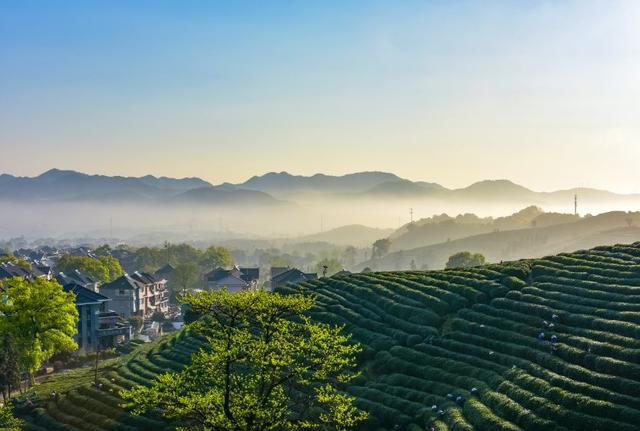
[139, 294]
[98, 327]
[155, 295]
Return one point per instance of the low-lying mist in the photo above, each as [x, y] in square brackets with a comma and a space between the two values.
[201, 222]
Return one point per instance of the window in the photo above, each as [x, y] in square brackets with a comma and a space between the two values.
[121, 292]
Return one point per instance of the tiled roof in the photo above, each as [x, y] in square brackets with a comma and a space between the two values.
[124, 282]
[84, 295]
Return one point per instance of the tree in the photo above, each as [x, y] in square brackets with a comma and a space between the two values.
[41, 319]
[381, 247]
[183, 278]
[267, 367]
[7, 421]
[332, 265]
[103, 250]
[465, 259]
[215, 257]
[104, 269]
[114, 269]
[9, 366]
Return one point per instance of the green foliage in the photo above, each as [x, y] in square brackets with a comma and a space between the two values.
[7, 421]
[266, 366]
[114, 270]
[183, 278]
[9, 364]
[214, 257]
[465, 259]
[104, 269]
[40, 319]
[428, 334]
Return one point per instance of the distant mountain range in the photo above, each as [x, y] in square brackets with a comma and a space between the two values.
[377, 185]
[272, 188]
[71, 186]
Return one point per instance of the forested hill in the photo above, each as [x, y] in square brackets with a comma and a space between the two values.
[472, 349]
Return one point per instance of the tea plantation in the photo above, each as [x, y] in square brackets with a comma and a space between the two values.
[545, 344]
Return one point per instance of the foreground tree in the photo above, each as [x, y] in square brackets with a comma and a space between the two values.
[267, 367]
[9, 366]
[40, 319]
[465, 259]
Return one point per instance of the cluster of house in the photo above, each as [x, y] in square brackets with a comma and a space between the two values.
[103, 309]
[239, 278]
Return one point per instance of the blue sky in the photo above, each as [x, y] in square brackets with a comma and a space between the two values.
[544, 93]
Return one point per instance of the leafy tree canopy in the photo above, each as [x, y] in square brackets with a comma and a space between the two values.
[216, 257]
[465, 259]
[267, 367]
[7, 421]
[41, 319]
[183, 278]
[104, 268]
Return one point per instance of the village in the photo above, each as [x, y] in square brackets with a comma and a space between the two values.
[137, 305]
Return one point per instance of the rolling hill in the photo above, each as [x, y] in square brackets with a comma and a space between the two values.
[465, 349]
[472, 349]
[560, 235]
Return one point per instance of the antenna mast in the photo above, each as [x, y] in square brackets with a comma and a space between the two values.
[411, 212]
[575, 204]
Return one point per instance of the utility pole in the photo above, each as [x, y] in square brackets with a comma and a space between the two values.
[575, 204]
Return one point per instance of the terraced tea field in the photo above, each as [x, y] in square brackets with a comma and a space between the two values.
[547, 344]
[90, 408]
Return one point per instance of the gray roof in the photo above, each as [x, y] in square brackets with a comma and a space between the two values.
[84, 295]
[123, 282]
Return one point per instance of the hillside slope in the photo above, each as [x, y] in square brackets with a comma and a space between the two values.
[85, 407]
[431, 337]
[532, 242]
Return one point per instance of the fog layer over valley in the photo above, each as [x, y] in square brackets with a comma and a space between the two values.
[421, 220]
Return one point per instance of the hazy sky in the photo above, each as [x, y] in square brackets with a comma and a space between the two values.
[544, 93]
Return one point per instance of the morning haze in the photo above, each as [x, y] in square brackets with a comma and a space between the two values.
[362, 215]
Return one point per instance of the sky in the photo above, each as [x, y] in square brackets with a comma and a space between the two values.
[545, 93]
